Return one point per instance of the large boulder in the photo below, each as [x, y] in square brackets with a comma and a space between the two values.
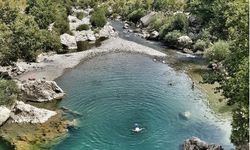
[8, 72]
[80, 36]
[148, 18]
[5, 72]
[25, 113]
[69, 41]
[184, 42]
[107, 32]
[195, 143]
[91, 36]
[40, 91]
[4, 114]
[154, 35]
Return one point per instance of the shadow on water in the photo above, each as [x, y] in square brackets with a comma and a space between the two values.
[85, 45]
[5, 145]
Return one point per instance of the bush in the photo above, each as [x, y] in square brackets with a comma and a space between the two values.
[44, 13]
[180, 22]
[8, 92]
[26, 37]
[177, 22]
[7, 55]
[50, 41]
[80, 15]
[158, 21]
[83, 27]
[98, 18]
[172, 37]
[136, 15]
[61, 25]
[219, 51]
[7, 14]
[200, 45]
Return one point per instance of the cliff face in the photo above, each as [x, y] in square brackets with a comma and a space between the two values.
[195, 143]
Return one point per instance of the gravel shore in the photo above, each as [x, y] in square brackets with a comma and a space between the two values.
[52, 66]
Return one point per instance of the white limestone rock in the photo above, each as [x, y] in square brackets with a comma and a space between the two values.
[4, 114]
[69, 41]
[195, 143]
[107, 32]
[40, 91]
[184, 41]
[25, 113]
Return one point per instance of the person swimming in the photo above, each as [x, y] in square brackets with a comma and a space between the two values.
[137, 128]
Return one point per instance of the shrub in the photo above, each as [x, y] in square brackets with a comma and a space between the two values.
[200, 45]
[80, 15]
[43, 12]
[61, 25]
[158, 21]
[50, 41]
[26, 37]
[83, 27]
[219, 51]
[180, 22]
[136, 15]
[98, 18]
[177, 22]
[6, 53]
[7, 14]
[8, 92]
[172, 37]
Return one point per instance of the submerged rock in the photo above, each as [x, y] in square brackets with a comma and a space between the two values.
[40, 91]
[185, 115]
[69, 41]
[25, 113]
[4, 114]
[195, 143]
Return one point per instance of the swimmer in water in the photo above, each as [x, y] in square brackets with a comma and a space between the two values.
[137, 128]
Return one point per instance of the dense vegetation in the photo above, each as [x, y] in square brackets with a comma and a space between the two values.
[8, 92]
[220, 28]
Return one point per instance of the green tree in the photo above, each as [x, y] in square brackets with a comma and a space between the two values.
[8, 92]
[25, 39]
[98, 18]
[7, 55]
[7, 13]
[219, 51]
[136, 15]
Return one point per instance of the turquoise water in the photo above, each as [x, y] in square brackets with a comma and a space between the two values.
[115, 91]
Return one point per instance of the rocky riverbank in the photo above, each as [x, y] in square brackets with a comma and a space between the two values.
[40, 126]
[52, 66]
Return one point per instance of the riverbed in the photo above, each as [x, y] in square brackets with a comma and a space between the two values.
[115, 91]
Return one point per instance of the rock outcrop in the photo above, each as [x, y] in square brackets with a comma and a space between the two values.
[74, 22]
[184, 42]
[25, 113]
[148, 18]
[8, 72]
[195, 143]
[40, 91]
[4, 114]
[107, 32]
[154, 35]
[69, 41]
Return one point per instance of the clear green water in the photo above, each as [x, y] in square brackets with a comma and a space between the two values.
[114, 91]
